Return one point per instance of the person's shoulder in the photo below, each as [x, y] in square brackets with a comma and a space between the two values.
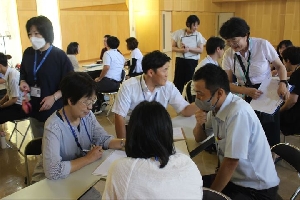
[53, 123]
[180, 160]
[131, 83]
[29, 50]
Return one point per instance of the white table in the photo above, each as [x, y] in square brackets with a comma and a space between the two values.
[90, 68]
[76, 184]
[71, 187]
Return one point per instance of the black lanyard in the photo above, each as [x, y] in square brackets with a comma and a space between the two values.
[246, 73]
[35, 69]
[73, 131]
[143, 90]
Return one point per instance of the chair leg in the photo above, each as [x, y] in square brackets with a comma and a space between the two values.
[24, 136]
[27, 172]
[15, 127]
[296, 193]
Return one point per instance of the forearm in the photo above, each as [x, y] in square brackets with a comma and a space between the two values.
[189, 110]
[238, 89]
[79, 163]
[199, 133]
[8, 103]
[57, 95]
[224, 174]
[197, 50]
[120, 126]
[4, 99]
[116, 144]
[289, 103]
[178, 50]
[2, 81]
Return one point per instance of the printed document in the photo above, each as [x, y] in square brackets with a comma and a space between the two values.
[191, 42]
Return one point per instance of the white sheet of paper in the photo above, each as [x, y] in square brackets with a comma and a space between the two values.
[102, 169]
[269, 101]
[191, 42]
[177, 134]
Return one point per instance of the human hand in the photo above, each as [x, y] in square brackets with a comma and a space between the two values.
[274, 72]
[97, 79]
[282, 91]
[24, 86]
[200, 116]
[95, 153]
[253, 93]
[47, 103]
[186, 49]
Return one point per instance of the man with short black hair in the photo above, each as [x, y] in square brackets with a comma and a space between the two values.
[110, 77]
[153, 85]
[247, 169]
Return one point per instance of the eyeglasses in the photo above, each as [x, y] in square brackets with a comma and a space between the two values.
[233, 42]
[90, 102]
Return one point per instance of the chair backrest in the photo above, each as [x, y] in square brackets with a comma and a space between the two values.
[209, 194]
[34, 147]
[187, 92]
[289, 153]
[123, 76]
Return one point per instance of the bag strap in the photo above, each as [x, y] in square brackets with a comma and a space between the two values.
[246, 73]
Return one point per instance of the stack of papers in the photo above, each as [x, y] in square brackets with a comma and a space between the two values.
[178, 134]
[269, 101]
[91, 65]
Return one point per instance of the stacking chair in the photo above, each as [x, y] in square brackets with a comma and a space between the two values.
[17, 131]
[209, 194]
[112, 96]
[187, 92]
[291, 155]
[34, 147]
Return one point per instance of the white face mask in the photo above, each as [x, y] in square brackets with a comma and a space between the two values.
[37, 43]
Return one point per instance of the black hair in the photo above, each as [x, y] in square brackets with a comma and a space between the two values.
[3, 59]
[113, 42]
[234, 27]
[286, 43]
[154, 60]
[214, 76]
[72, 48]
[292, 54]
[192, 19]
[76, 85]
[213, 43]
[150, 133]
[132, 43]
[107, 36]
[43, 26]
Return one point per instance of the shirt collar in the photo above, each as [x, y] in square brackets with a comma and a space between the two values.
[142, 82]
[222, 113]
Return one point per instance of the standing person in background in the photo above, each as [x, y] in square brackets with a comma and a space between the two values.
[72, 51]
[187, 56]
[136, 57]
[153, 169]
[105, 46]
[43, 67]
[248, 59]
[215, 50]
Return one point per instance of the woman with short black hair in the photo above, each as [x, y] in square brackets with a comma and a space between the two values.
[72, 51]
[153, 169]
[135, 66]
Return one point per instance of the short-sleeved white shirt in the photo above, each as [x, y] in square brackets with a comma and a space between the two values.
[115, 60]
[203, 62]
[177, 35]
[262, 54]
[137, 54]
[12, 78]
[239, 135]
[2, 86]
[134, 90]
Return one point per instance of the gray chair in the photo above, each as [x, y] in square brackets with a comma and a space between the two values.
[209, 194]
[34, 147]
[291, 155]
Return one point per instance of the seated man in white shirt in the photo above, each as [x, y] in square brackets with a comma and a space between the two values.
[153, 85]
[11, 103]
[215, 50]
[247, 169]
[113, 64]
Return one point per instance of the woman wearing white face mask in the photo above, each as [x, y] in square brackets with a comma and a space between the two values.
[43, 66]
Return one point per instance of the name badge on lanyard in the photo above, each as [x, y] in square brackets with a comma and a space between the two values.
[35, 91]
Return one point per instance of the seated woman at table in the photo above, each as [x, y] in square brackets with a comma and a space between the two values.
[72, 51]
[73, 138]
[135, 67]
[153, 169]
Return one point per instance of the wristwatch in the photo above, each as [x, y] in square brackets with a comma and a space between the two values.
[285, 81]
[122, 143]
